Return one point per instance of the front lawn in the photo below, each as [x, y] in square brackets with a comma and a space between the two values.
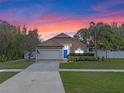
[112, 64]
[84, 82]
[5, 76]
[21, 64]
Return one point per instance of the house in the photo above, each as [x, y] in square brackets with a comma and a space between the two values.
[59, 47]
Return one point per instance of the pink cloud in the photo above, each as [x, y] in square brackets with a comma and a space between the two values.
[51, 25]
[70, 26]
[12, 19]
[49, 19]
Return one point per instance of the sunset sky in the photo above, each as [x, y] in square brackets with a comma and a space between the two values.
[54, 16]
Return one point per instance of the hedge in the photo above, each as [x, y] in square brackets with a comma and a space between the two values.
[82, 58]
[84, 54]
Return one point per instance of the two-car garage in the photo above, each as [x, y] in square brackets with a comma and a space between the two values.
[50, 50]
[49, 54]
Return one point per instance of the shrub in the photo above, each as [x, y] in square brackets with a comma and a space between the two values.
[84, 54]
[82, 58]
[3, 58]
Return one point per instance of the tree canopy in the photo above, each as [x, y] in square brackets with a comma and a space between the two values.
[102, 36]
[15, 41]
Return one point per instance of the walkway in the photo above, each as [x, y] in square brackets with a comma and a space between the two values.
[93, 70]
[11, 70]
[41, 77]
[74, 70]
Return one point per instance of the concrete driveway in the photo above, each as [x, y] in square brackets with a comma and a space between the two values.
[41, 77]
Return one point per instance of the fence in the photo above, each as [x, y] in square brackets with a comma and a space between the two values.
[110, 54]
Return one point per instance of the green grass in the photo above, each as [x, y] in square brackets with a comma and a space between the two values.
[5, 76]
[15, 64]
[84, 82]
[113, 63]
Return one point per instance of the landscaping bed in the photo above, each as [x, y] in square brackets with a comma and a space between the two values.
[95, 82]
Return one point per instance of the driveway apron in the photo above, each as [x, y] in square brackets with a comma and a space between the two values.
[41, 77]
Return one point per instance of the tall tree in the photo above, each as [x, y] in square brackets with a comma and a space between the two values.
[101, 36]
[14, 41]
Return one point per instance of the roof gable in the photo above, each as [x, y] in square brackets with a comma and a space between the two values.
[61, 39]
[62, 35]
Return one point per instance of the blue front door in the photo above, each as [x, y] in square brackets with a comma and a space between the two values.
[65, 53]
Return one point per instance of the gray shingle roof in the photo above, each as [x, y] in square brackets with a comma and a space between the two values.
[50, 43]
[62, 35]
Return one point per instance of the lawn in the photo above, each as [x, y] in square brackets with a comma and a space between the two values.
[21, 64]
[112, 64]
[5, 76]
[84, 82]
[15, 64]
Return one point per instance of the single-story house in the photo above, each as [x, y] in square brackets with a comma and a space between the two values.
[59, 47]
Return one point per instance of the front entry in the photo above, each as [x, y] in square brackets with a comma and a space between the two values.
[65, 53]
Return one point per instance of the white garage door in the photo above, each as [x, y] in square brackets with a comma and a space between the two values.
[50, 54]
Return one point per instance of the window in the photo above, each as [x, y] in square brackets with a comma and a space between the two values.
[79, 51]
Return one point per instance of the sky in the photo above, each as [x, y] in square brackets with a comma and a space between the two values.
[52, 17]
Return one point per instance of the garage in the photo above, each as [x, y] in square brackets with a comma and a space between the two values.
[49, 54]
[50, 50]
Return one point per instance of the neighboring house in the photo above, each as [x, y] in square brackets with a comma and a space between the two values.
[59, 47]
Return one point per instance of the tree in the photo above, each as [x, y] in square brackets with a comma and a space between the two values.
[33, 40]
[101, 36]
[14, 42]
